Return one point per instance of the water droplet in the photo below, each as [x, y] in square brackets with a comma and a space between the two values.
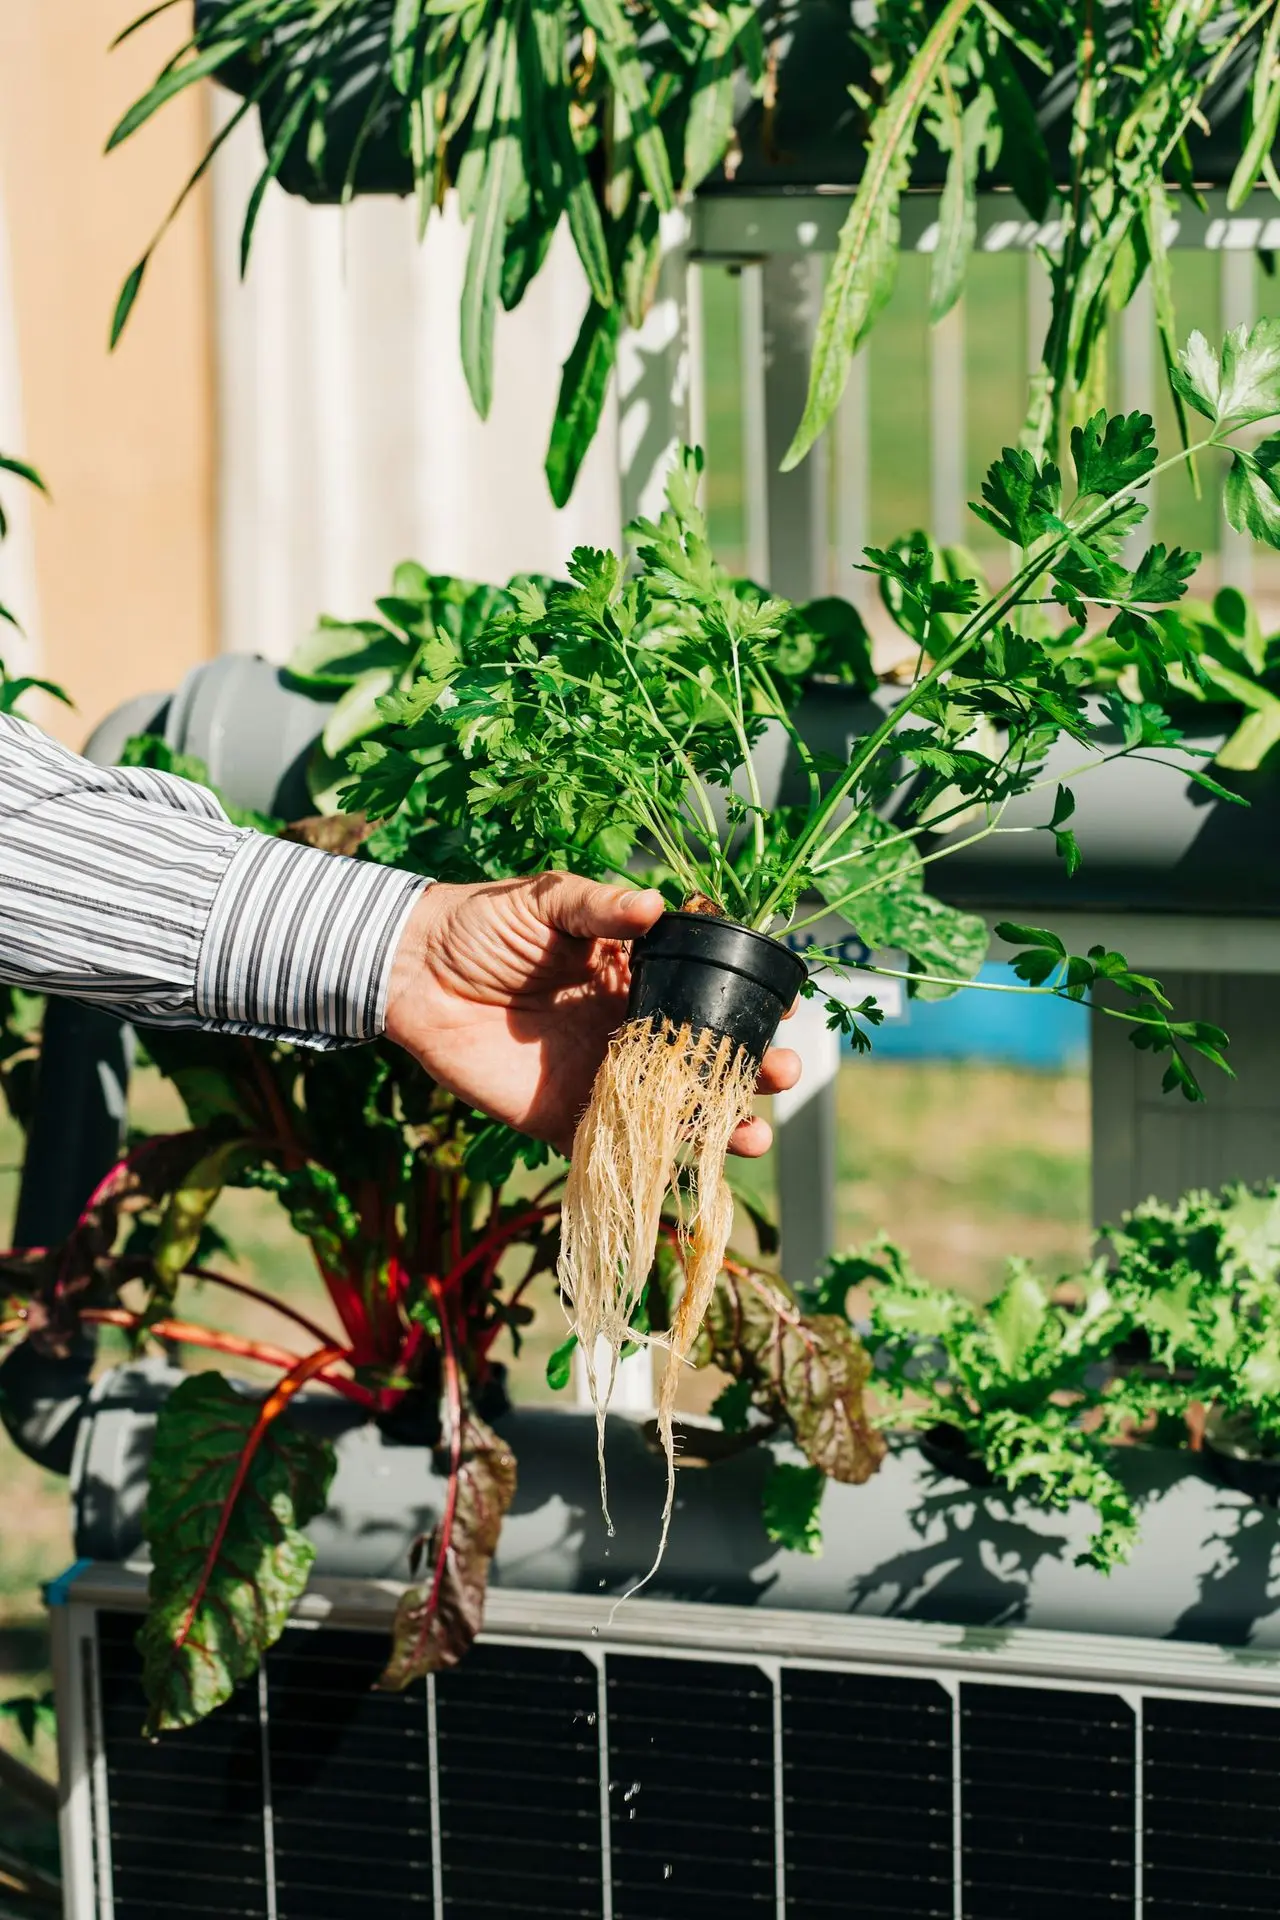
[595, 1633]
[602, 1586]
[610, 1531]
[591, 1719]
[666, 1871]
[631, 1813]
[632, 1790]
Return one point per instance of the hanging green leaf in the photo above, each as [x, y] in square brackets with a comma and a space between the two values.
[584, 382]
[174, 80]
[1024, 158]
[621, 55]
[280, 146]
[488, 235]
[1263, 116]
[406, 25]
[866, 260]
[709, 126]
[966, 134]
[128, 294]
[560, 1364]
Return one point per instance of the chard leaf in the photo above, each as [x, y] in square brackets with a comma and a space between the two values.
[187, 1209]
[229, 1491]
[823, 1371]
[437, 1620]
[356, 713]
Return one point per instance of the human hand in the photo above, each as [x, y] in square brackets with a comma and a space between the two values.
[508, 992]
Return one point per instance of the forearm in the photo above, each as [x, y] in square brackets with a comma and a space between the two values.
[133, 891]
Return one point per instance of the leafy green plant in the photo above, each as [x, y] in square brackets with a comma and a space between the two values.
[1227, 674]
[969, 75]
[1021, 1381]
[616, 722]
[615, 725]
[601, 114]
[1171, 1334]
[1198, 1283]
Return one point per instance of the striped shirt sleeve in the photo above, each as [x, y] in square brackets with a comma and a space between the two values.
[131, 889]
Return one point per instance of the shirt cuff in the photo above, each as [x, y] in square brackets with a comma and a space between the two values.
[299, 944]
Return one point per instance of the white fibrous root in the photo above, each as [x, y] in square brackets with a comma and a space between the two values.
[666, 1101]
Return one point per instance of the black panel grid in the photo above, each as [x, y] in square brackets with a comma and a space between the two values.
[1211, 1811]
[350, 1782]
[866, 1772]
[691, 1801]
[336, 1790]
[185, 1812]
[519, 1760]
[1047, 1798]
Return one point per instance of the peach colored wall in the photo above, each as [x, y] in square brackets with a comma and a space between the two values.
[125, 554]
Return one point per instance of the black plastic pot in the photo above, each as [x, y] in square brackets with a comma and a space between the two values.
[694, 968]
[813, 132]
[358, 123]
[947, 1450]
[1251, 1475]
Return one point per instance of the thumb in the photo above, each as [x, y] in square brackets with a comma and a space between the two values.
[589, 911]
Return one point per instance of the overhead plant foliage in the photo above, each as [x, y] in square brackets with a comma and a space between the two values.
[1171, 1338]
[1098, 118]
[603, 114]
[1091, 114]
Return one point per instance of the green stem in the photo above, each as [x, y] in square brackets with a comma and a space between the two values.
[975, 629]
[739, 723]
[877, 886]
[690, 771]
[1052, 990]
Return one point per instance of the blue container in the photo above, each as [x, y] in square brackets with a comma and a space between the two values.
[1009, 1029]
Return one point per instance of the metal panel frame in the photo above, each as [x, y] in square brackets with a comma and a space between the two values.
[74, 1649]
[1133, 1670]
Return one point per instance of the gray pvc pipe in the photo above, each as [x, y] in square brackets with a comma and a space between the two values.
[912, 1543]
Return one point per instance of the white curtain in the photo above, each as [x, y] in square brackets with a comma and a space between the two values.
[347, 439]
